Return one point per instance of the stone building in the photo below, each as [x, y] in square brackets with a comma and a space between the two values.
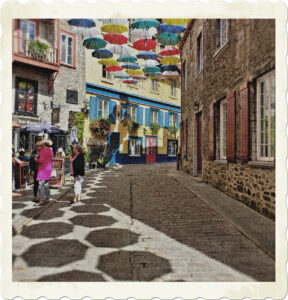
[228, 108]
[48, 77]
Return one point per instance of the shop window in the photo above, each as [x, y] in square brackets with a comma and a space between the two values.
[71, 96]
[55, 115]
[103, 109]
[155, 85]
[221, 33]
[134, 147]
[67, 49]
[266, 117]
[26, 96]
[173, 90]
[172, 148]
[199, 56]
[173, 119]
[132, 113]
[154, 116]
[223, 122]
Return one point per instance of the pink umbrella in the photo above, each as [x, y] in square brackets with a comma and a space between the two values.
[113, 68]
[130, 81]
[115, 38]
[169, 51]
[145, 44]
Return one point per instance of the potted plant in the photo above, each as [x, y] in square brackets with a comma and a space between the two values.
[102, 126]
[173, 130]
[38, 49]
[133, 126]
[87, 157]
[103, 160]
[154, 126]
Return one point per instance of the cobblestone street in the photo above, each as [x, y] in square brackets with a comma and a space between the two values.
[135, 223]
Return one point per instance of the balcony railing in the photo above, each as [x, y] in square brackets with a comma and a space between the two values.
[31, 50]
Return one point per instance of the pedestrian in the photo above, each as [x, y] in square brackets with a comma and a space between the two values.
[44, 171]
[34, 170]
[15, 171]
[77, 171]
[25, 159]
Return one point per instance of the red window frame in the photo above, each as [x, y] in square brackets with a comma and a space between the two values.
[74, 48]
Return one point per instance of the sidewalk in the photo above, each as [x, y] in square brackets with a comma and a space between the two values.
[259, 229]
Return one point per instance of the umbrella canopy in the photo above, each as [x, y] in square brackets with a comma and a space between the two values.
[122, 76]
[113, 68]
[176, 21]
[152, 74]
[128, 58]
[94, 43]
[170, 74]
[173, 68]
[134, 72]
[108, 62]
[171, 28]
[167, 38]
[115, 38]
[145, 44]
[130, 81]
[114, 28]
[147, 55]
[149, 63]
[102, 53]
[144, 23]
[121, 50]
[42, 127]
[114, 21]
[170, 60]
[143, 33]
[139, 76]
[85, 32]
[151, 69]
[131, 66]
[169, 51]
[86, 23]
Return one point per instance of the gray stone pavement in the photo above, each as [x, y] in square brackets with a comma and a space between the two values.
[137, 223]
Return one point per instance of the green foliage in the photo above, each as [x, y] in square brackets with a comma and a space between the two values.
[69, 151]
[104, 159]
[87, 155]
[102, 126]
[38, 49]
[173, 130]
[133, 126]
[154, 126]
[79, 119]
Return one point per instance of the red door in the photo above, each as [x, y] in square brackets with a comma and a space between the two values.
[199, 143]
[150, 149]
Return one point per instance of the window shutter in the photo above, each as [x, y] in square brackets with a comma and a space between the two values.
[178, 120]
[211, 132]
[161, 118]
[230, 129]
[93, 108]
[123, 111]
[112, 111]
[184, 137]
[244, 122]
[166, 119]
[129, 151]
[147, 116]
[140, 115]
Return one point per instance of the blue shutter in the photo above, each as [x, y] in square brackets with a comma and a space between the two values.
[123, 111]
[93, 108]
[112, 111]
[166, 119]
[179, 120]
[140, 115]
[147, 116]
[160, 118]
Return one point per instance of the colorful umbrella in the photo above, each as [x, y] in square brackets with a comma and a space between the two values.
[130, 81]
[102, 53]
[154, 75]
[139, 77]
[171, 28]
[147, 55]
[115, 38]
[85, 23]
[122, 76]
[134, 72]
[169, 51]
[85, 32]
[113, 69]
[170, 60]
[114, 28]
[114, 21]
[173, 68]
[176, 21]
[167, 38]
[94, 43]
[170, 74]
[108, 62]
[130, 66]
[145, 44]
[149, 63]
[151, 69]
[127, 58]
[144, 23]
[121, 50]
[143, 33]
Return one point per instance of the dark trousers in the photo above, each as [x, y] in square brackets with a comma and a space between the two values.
[35, 186]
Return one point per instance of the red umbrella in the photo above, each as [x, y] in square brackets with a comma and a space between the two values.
[129, 81]
[113, 68]
[115, 38]
[145, 44]
[169, 51]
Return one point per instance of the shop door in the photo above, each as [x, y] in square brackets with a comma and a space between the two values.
[199, 143]
[151, 149]
[114, 147]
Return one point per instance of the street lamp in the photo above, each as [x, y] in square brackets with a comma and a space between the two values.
[86, 103]
[196, 105]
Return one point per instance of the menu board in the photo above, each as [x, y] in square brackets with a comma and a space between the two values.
[57, 175]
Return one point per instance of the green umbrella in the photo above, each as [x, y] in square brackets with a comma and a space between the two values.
[94, 43]
[168, 38]
[152, 69]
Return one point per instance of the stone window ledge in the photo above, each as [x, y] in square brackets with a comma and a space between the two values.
[262, 164]
[220, 49]
[221, 162]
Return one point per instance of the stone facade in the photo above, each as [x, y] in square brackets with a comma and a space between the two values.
[248, 54]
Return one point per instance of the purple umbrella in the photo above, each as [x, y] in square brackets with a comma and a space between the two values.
[42, 127]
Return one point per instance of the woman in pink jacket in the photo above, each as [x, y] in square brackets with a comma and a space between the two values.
[44, 171]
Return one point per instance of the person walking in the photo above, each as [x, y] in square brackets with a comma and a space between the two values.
[77, 171]
[24, 170]
[34, 170]
[44, 171]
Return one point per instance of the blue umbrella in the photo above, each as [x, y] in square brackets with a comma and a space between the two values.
[152, 69]
[167, 38]
[94, 43]
[131, 66]
[151, 74]
[122, 76]
[147, 55]
[144, 23]
[127, 58]
[87, 23]
[42, 127]
[102, 53]
[171, 28]
[172, 68]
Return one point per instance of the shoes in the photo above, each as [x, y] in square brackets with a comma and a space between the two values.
[72, 202]
[78, 199]
[46, 201]
[40, 203]
[35, 199]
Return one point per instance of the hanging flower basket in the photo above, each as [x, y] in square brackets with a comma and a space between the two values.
[101, 126]
[173, 130]
[154, 126]
[133, 126]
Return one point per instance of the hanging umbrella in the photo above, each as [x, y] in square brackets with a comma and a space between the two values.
[127, 58]
[113, 68]
[139, 76]
[102, 53]
[149, 63]
[115, 38]
[170, 60]
[121, 50]
[130, 81]
[87, 23]
[131, 66]
[167, 38]
[169, 51]
[170, 68]
[171, 28]
[114, 28]
[176, 21]
[114, 21]
[170, 74]
[134, 72]
[94, 43]
[154, 75]
[147, 55]
[42, 127]
[143, 33]
[144, 23]
[121, 76]
[145, 44]
[151, 69]
[84, 27]
[108, 62]
[85, 32]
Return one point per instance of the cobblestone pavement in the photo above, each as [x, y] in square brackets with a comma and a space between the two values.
[135, 223]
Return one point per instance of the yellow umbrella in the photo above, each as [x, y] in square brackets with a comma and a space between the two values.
[176, 21]
[114, 28]
[134, 72]
[154, 77]
[108, 62]
[170, 60]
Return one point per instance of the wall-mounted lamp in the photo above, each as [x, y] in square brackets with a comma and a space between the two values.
[196, 105]
[144, 131]
[86, 104]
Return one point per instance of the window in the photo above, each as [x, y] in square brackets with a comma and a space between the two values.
[154, 116]
[266, 117]
[199, 53]
[172, 148]
[221, 33]
[26, 96]
[71, 96]
[132, 113]
[134, 147]
[55, 115]
[106, 74]
[67, 49]
[184, 76]
[223, 122]
[155, 85]
[28, 32]
[103, 109]
[173, 119]
[173, 91]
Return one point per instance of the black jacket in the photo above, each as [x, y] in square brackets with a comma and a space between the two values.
[32, 163]
[79, 165]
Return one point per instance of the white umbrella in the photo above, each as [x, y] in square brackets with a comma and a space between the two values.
[114, 21]
[85, 32]
[143, 33]
[121, 50]
[170, 73]
[149, 63]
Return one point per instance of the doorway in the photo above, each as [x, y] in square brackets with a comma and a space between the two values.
[151, 149]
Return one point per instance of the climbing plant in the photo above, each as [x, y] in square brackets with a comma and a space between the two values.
[78, 119]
